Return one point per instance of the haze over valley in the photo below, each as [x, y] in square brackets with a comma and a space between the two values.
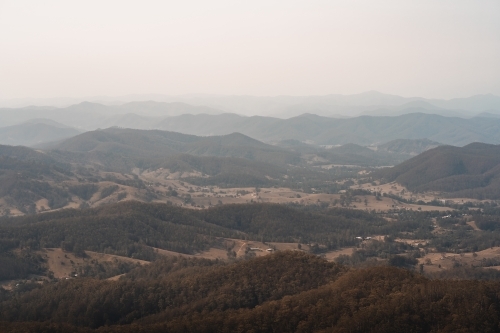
[263, 166]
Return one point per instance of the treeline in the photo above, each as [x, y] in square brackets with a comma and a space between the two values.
[130, 228]
[285, 292]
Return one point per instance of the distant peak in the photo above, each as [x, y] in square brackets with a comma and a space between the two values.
[88, 103]
[308, 115]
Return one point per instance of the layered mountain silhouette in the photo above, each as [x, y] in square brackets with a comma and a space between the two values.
[290, 106]
[364, 130]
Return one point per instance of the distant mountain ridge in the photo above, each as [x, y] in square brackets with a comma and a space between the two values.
[364, 130]
[399, 118]
[89, 115]
[290, 106]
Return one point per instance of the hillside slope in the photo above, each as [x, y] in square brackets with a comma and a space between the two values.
[471, 171]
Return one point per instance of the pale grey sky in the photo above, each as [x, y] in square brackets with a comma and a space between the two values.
[428, 48]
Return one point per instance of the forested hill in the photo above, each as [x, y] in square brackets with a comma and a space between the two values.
[284, 292]
[128, 228]
[158, 144]
[472, 171]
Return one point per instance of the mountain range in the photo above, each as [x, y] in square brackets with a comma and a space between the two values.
[290, 106]
[394, 117]
[88, 116]
[309, 128]
[364, 130]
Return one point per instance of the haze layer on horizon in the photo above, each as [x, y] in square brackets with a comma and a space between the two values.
[424, 48]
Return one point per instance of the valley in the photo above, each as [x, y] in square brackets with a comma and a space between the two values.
[250, 166]
[234, 224]
[112, 165]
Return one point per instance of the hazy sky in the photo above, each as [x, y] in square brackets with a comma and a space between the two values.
[428, 48]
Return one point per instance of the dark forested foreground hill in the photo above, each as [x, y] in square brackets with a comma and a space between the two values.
[284, 292]
[472, 171]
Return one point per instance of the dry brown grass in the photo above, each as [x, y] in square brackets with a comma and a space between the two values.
[447, 260]
[161, 180]
[332, 255]
[400, 190]
[63, 264]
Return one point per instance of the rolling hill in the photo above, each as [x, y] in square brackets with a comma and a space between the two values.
[34, 181]
[87, 169]
[472, 171]
[157, 144]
